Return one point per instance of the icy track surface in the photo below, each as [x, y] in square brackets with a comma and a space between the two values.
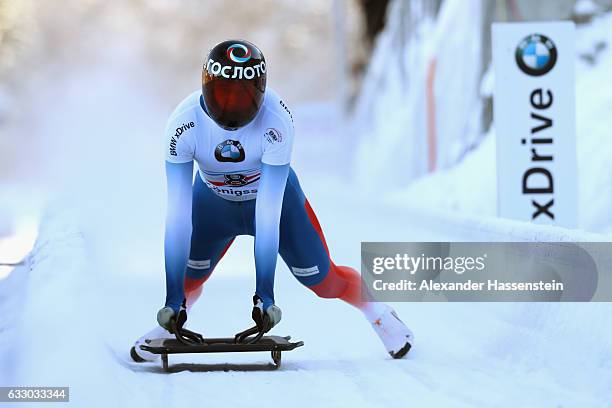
[68, 321]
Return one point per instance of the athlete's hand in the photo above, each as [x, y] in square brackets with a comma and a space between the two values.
[265, 319]
[169, 319]
[172, 321]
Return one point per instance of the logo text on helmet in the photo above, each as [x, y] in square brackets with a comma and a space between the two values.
[227, 71]
[233, 57]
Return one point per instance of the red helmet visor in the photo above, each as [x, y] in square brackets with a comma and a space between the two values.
[232, 103]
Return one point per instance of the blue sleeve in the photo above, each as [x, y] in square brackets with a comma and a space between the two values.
[267, 219]
[177, 238]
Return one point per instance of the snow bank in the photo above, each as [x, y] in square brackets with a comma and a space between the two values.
[419, 109]
[457, 52]
[54, 328]
[386, 113]
[457, 226]
[12, 291]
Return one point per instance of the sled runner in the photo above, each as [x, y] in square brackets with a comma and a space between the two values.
[274, 344]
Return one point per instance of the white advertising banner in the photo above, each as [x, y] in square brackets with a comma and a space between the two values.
[534, 111]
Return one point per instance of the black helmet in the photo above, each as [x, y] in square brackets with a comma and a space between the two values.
[233, 83]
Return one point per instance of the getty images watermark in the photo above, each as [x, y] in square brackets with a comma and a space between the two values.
[487, 272]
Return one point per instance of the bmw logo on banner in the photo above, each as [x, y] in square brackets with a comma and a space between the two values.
[536, 55]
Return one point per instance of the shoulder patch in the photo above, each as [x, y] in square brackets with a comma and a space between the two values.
[273, 135]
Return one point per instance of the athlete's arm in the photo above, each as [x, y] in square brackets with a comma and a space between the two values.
[177, 239]
[267, 219]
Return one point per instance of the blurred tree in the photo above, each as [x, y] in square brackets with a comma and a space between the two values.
[12, 32]
[374, 13]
